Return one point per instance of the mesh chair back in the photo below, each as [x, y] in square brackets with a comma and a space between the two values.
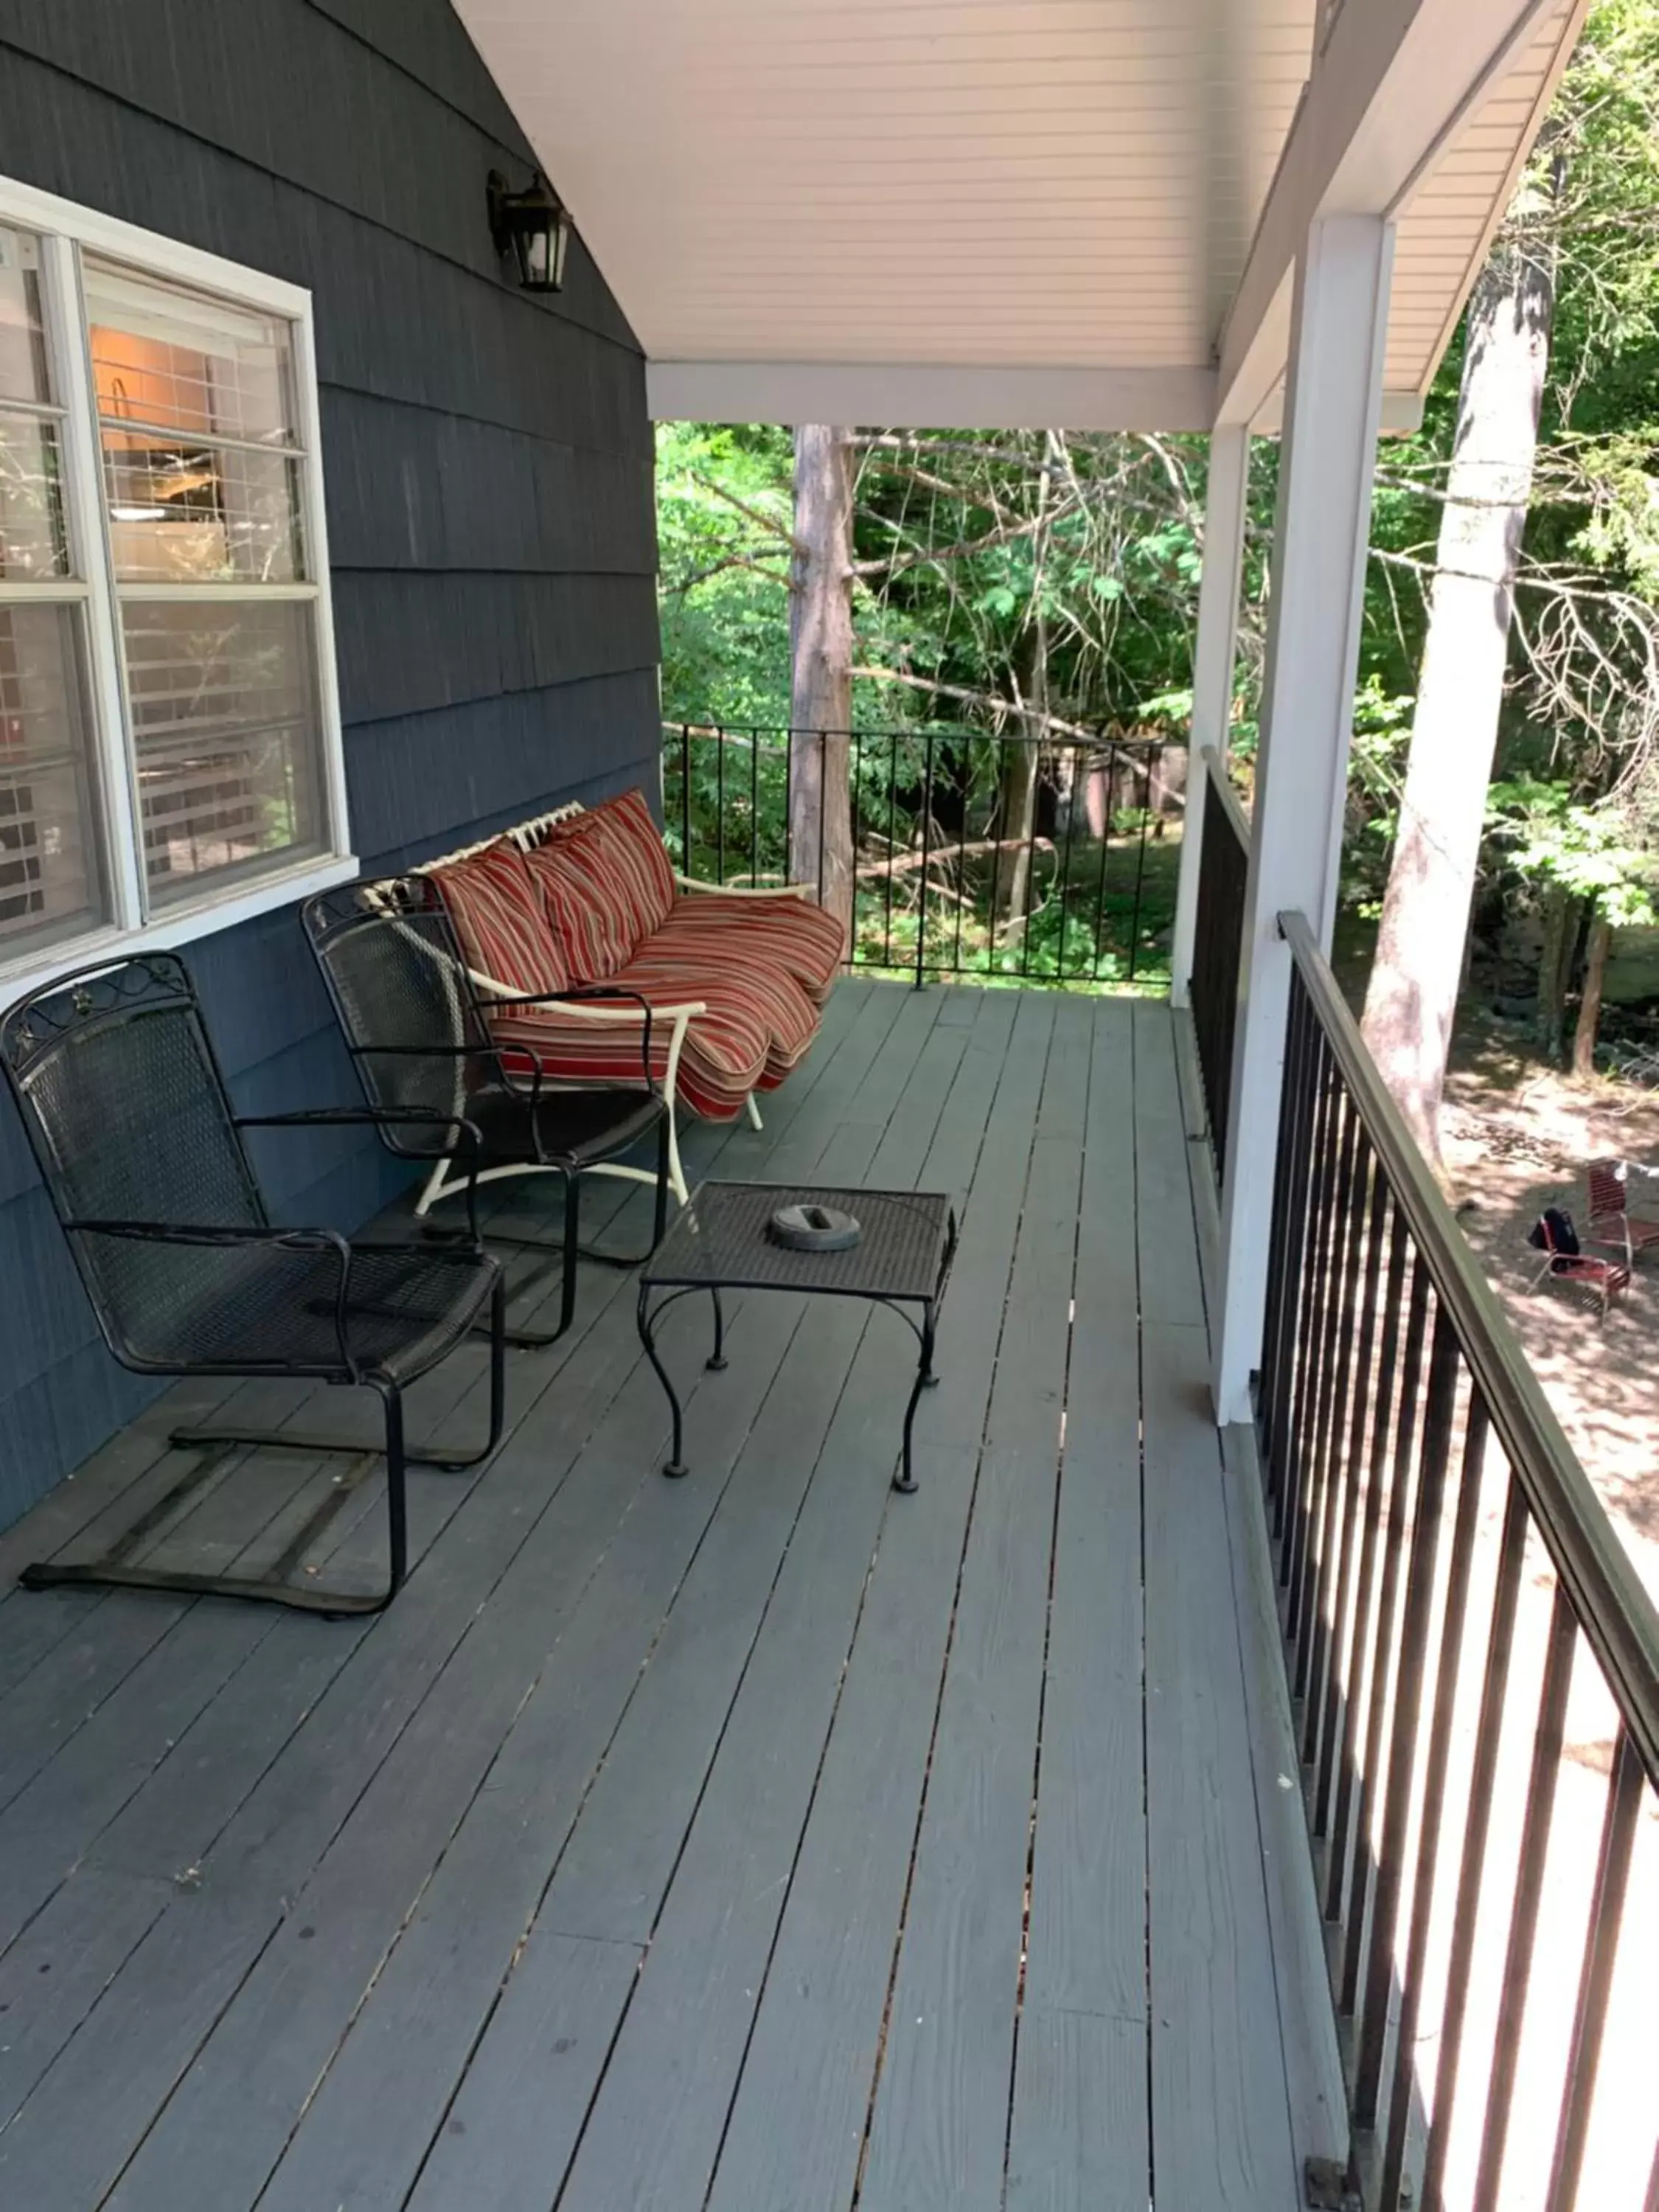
[126, 1111]
[1609, 1189]
[395, 973]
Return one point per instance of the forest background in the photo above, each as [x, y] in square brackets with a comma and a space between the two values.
[1044, 584]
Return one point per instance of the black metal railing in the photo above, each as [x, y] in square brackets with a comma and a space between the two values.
[1474, 1669]
[1218, 939]
[1048, 860]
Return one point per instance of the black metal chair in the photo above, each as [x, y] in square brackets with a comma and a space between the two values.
[145, 1162]
[415, 1026]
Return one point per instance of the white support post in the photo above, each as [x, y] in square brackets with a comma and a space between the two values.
[1332, 408]
[1225, 501]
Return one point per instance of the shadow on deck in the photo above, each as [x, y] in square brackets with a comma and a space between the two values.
[760, 1842]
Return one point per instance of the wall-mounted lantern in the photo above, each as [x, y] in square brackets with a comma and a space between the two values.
[533, 227]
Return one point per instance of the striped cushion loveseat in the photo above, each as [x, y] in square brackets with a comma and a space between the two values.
[735, 980]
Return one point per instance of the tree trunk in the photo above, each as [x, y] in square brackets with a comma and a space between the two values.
[821, 664]
[1554, 969]
[1020, 755]
[1413, 997]
[1590, 1006]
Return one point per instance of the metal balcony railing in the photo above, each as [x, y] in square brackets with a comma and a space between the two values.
[1218, 941]
[1043, 861]
[1475, 1668]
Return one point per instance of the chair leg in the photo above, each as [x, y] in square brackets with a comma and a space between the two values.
[573, 1200]
[111, 1571]
[660, 1221]
[755, 1121]
[397, 1498]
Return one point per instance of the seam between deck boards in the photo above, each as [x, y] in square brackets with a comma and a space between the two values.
[597, 1312]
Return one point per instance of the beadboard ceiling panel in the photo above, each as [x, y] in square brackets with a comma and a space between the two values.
[963, 184]
[1447, 226]
[976, 181]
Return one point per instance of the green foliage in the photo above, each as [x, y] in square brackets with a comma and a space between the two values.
[1004, 575]
[724, 593]
[1604, 854]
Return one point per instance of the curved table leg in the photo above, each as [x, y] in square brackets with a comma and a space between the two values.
[906, 1480]
[674, 1465]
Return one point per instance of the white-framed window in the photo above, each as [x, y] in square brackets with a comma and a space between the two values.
[170, 756]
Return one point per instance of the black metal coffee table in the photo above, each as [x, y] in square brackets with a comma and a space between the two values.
[721, 1242]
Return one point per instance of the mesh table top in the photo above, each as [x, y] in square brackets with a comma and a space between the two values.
[720, 1239]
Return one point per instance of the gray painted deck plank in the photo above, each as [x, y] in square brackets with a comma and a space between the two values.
[573, 1588]
[500, 2147]
[681, 2046]
[56, 2155]
[1171, 1289]
[406, 2048]
[604, 1834]
[175, 1817]
[797, 2124]
[1220, 2116]
[939, 2123]
[1079, 2137]
[726, 1877]
[1312, 2061]
[412, 2041]
[170, 1825]
[275, 1839]
[1219, 2110]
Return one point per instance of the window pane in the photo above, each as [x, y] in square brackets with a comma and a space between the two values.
[181, 512]
[31, 508]
[226, 733]
[22, 340]
[49, 873]
[178, 361]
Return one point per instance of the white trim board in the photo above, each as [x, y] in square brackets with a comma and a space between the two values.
[951, 397]
[946, 397]
[169, 930]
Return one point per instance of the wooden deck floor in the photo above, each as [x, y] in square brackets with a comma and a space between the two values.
[763, 1842]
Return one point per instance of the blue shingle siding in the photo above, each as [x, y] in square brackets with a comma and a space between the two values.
[488, 465]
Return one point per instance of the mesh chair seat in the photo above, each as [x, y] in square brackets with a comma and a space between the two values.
[243, 1308]
[574, 1125]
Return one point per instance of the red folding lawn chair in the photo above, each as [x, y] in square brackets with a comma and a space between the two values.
[1611, 1221]
[1554, 1236]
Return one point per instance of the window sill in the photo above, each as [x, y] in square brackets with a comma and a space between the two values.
[178, 925]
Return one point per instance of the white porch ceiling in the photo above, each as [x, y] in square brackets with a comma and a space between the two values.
[1017, 206]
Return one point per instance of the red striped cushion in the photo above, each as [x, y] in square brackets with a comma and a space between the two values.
[754, 1030]
[500, 919]
[801, 937]
[621, 831]
[577, 883]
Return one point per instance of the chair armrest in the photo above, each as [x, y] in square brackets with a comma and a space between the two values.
[291, 1240]
[694, 883]
[376, 1117]
[369, 1116]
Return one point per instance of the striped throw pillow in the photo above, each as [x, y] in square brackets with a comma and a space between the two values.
[497, 907]
[632, 850]
[577, 882]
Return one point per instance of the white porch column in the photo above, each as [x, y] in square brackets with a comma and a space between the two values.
[1212, 670]
[1333, 401]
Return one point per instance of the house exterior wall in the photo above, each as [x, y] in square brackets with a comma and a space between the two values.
[487, 461]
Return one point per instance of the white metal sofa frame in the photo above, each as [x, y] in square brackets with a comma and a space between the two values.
[441, 1183]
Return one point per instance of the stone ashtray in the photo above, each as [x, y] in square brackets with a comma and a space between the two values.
[813, 1228]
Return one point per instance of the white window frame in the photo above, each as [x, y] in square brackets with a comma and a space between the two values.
[65, 230]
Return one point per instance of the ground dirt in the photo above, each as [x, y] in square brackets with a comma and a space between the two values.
[1518, 1135]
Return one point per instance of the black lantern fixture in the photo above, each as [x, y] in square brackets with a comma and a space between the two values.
[533, 227]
